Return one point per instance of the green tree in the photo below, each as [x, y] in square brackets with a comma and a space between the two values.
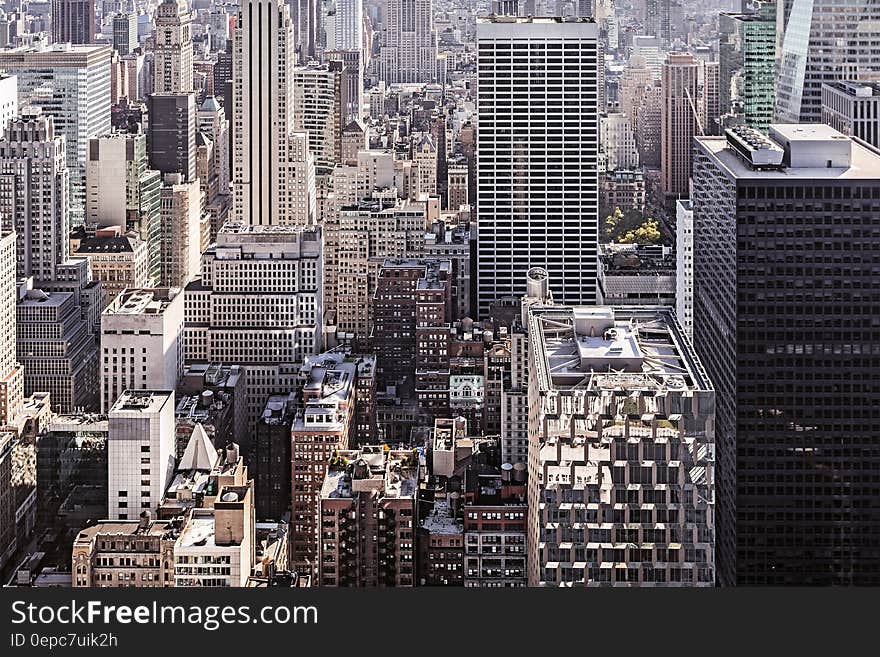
[647, 233]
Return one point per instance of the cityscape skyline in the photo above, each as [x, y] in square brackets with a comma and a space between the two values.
[461, 293]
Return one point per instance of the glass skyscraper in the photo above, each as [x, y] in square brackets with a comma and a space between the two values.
[822, 41]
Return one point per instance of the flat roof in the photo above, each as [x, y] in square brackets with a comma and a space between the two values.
[865, 162]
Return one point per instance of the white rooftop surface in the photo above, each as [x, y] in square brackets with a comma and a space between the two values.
[200, 528]
[865, 162]
[136, 302]
[141, 401]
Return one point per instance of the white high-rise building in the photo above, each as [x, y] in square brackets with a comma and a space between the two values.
[258, 304]
[140, 452]
[684, 265]
[181, 218]
[71, 83]
[173, 63]
[409, 47]
[141, 342]
[349, 26]
[317, 108]
[537, 156]
[263, 119]
[8, 100]
[34, 194]
[11, 375]
[618, 142]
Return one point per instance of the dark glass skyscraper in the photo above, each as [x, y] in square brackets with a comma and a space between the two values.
[787, 324]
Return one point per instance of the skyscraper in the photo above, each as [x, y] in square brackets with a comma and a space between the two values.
[141, 342]
[262, 112]
[409, 44]
[349, 32]
[125, 33]
[11, 375]
[34, 194]
[73, 21]
[317, 109]
[72, 83]
[537, 199]
[747, 55]
[596, 456]
[171, 135]
[140, 452]
[785, 306]
[678, 122]
[123, 191]
[173, 63]
[181, 216]
[822, 41]
[259, 304]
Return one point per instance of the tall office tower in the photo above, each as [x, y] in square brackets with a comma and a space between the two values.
[411, 306]
[123, 191]
[262, 112]
[408, 52]
[212, 163]
[747, 55]
[8, 100]
[618, 142]
[258, 304]
[590, 476]
[304, 15]
[324, 425]
[853, 108]
[352, 83]
[652, 51]
[684, 265]
[784, 284]
[181, 219]
[678, 123]
[710, 105]
[648, 127]
[173, 48]
[141, 342]
[371, 482]
[11, 375]
[272, 451]
[317, 109]
[358, 238]
[349, 32]
[56, 348]
[171, 134]
[34, 194]
[631, 86]
[140, 452]
[457, 186]
[125, 33]
[73, 21]
[72, 83]
[822, 41]
[534, 209]
[424, 157]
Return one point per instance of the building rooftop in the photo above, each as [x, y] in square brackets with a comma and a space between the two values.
[144, 301]
[141, 401]
[390, 473]
[856, 88]
[440, 520]
[115, 244]
[808, 150]
[600, 348]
